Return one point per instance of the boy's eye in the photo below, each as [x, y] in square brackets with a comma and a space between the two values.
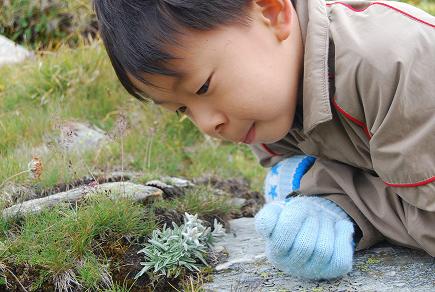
[205, 87]
[181, 110]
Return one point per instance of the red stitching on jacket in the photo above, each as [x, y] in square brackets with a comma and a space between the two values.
[268, 150]
[367, 132]
[386, 5]
[353, 119]
[417, 184]
[362, 124]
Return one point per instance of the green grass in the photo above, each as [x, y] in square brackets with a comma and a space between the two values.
[426, 5]
[68, 239]
[46, 23]
[39, 96]
[89, 272]
[35, 99]
[63, 239]
[199, 200]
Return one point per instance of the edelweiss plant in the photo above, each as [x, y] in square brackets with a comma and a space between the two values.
[170, 251]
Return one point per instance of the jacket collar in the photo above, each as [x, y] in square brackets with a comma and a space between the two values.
[314, 24]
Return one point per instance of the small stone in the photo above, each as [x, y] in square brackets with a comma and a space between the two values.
[218, 248]
[390, 274]
[238, 202]
[355, 273]
[169, 190]
[260, 256]
[177, 182]
[399, 284]
[268, 284]
[11, 53]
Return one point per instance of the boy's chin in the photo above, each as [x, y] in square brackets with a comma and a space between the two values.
[278, 136]
[274, 139]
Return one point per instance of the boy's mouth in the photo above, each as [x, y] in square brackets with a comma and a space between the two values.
[250, 136]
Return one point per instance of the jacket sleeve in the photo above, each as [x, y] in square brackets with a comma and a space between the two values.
[395, 85]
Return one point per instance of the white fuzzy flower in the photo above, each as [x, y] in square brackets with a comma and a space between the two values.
[193, 234]
[218, 230]
[191, 219]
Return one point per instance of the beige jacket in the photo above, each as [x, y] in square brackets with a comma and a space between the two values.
[368, 115]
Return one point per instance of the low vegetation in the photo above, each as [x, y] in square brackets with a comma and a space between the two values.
[94, 245]
[47, 24]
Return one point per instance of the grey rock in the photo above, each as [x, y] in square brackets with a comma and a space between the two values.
[169, 190]
[382, 268]
[11, 53]
[238, 202]
[75, 137]
[114, 190]
[177, 181]
[171, 186]
[242, 244]
[78, 137]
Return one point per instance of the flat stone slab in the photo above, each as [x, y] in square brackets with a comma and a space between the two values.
[382, 268]
[136, 192]
[11, 53]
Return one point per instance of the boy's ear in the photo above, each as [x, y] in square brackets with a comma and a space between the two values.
[277, 14]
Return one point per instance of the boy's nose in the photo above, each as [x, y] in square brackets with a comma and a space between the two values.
[210, 122]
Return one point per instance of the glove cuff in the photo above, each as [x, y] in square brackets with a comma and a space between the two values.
[285, 177]
[328, 206]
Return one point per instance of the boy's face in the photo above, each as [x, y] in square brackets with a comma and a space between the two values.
[240, 83]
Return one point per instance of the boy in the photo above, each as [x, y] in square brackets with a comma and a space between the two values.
[348, 83]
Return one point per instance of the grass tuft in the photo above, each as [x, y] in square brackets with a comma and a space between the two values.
[199, 200]
[57, 240]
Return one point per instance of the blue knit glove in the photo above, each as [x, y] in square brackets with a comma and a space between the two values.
[309, 237]
[285, 177]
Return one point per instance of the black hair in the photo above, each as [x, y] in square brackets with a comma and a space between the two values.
[138, 34]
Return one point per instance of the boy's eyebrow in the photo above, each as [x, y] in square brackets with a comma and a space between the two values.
[158, 102]
[182, 76]
[179, 78]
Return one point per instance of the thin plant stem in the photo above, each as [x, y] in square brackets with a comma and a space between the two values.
[122, 158]
[174, 287]
[122, 163]
[15, 175]
[89, 170]
[16, 279]
[148, 154]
